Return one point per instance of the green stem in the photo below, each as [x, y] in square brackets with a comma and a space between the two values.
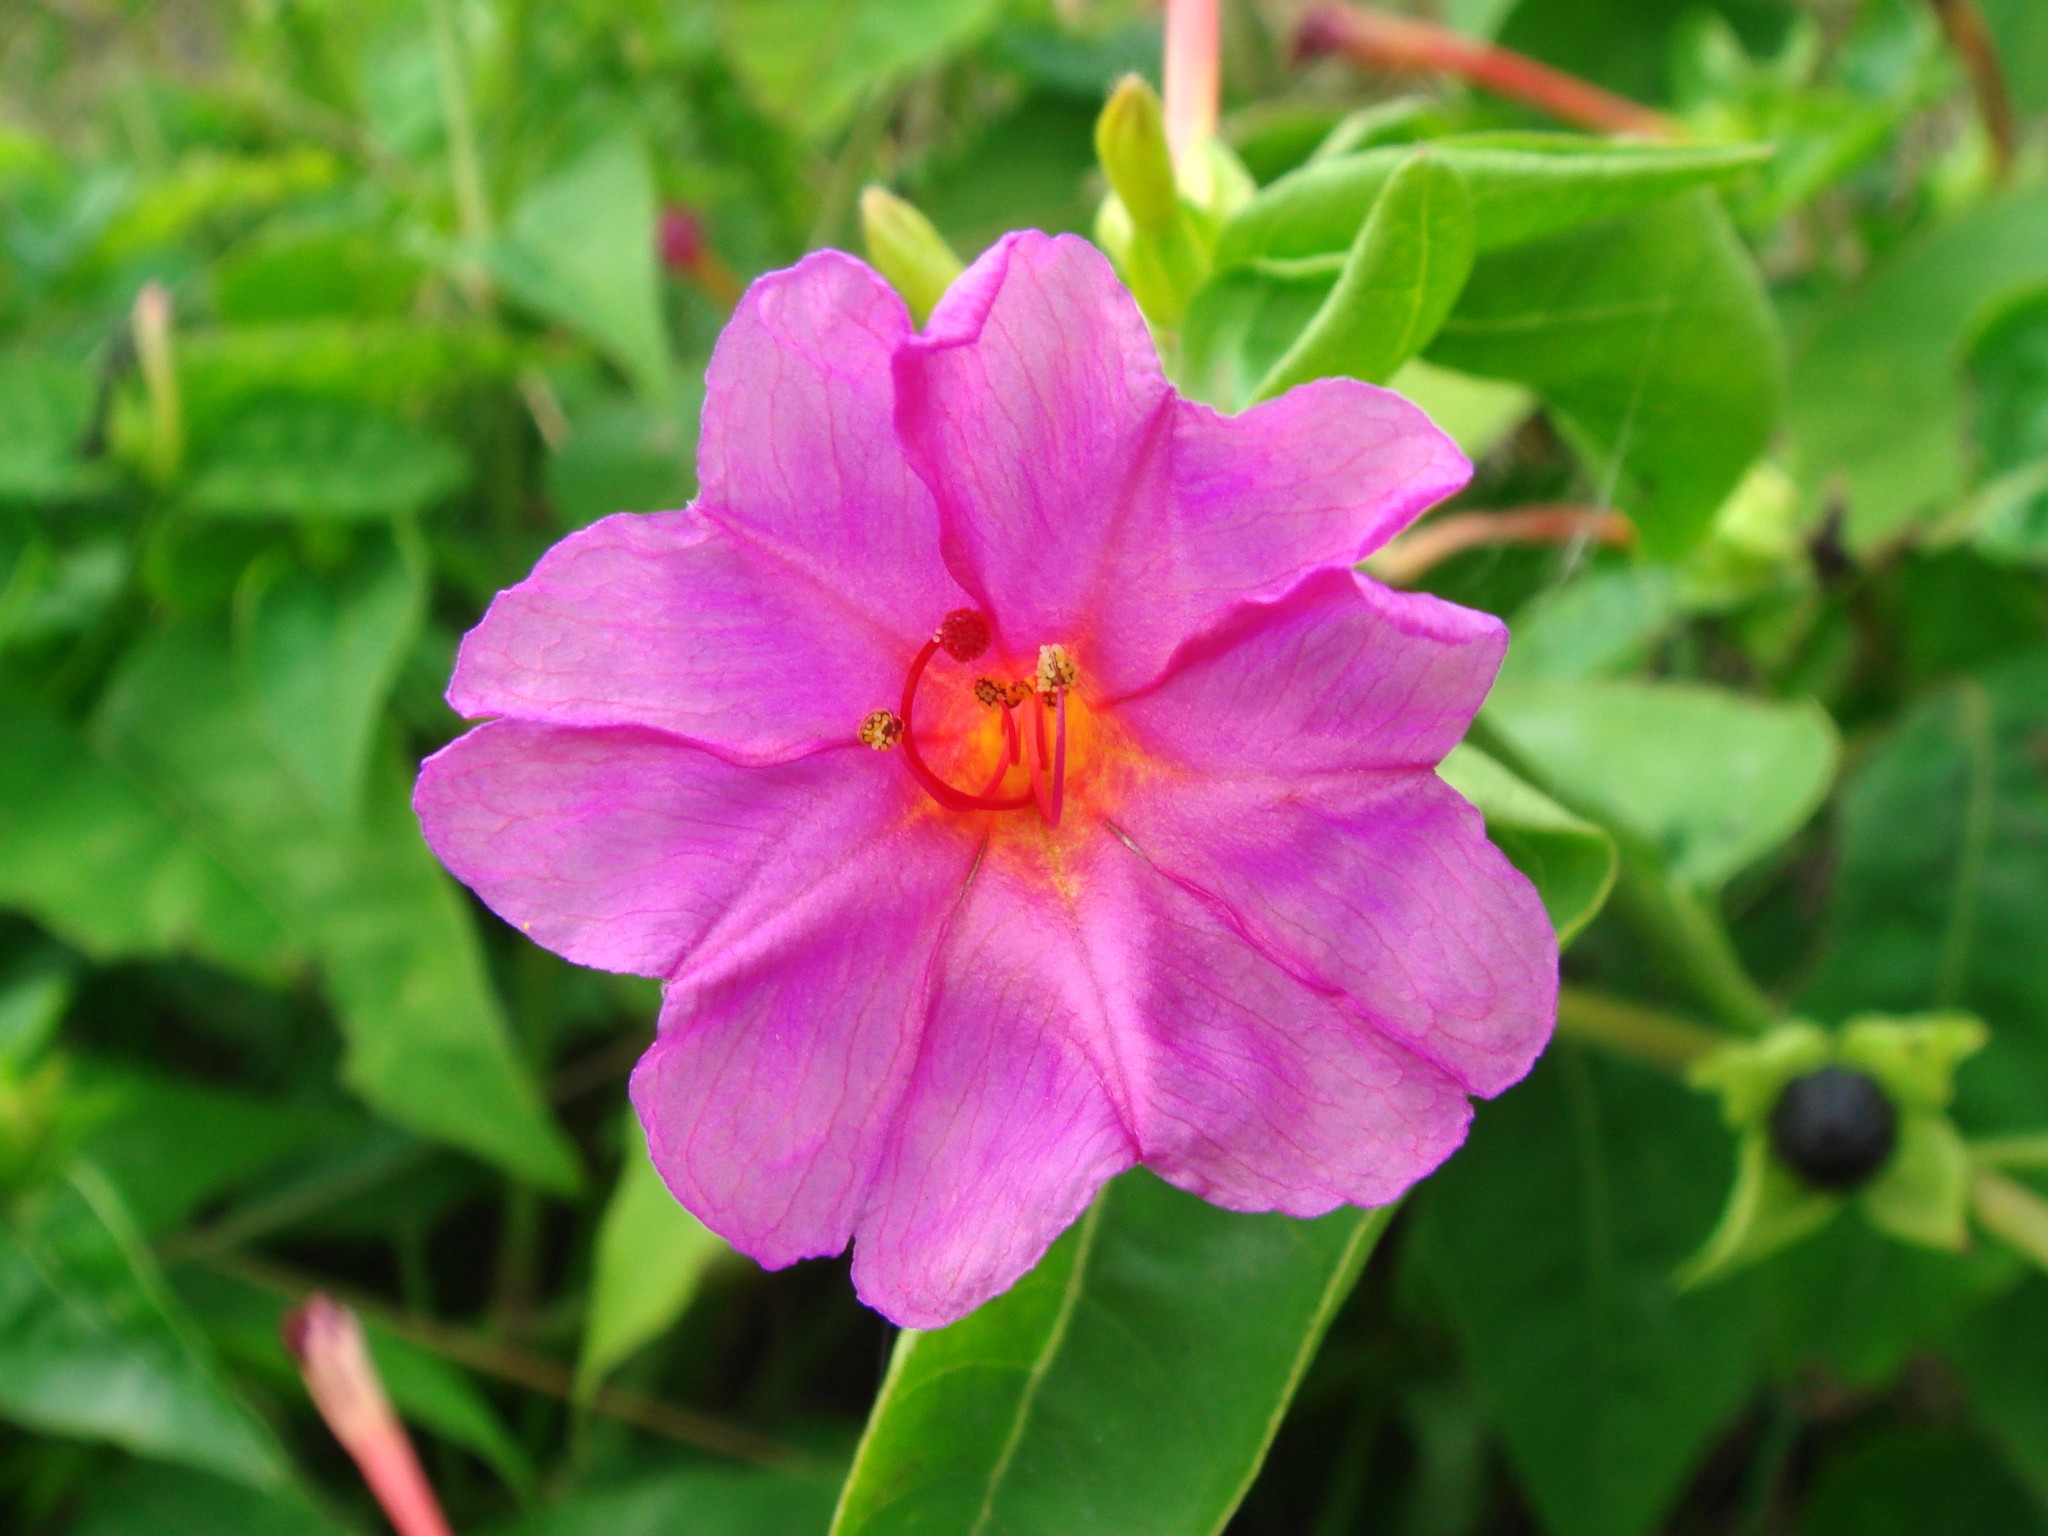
[472, 208]
[1648, 1035]
[2029, 1152]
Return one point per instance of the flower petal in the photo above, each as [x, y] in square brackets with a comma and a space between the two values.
[770, 1091]
[1381, 888]
[668, 621]
[1083, 502]
[1011, 1121]
[1340, 673]
[629, 850]
[1262, 1093]
[786, 603]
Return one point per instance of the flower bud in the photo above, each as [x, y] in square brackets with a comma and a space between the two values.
[907, 250]
[1130, 141]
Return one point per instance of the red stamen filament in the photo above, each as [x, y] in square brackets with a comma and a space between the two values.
[946, 794]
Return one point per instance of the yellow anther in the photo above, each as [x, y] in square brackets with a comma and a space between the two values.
[882, 729]
[1056, 671]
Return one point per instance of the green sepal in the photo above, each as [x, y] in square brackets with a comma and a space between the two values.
[1750, 1075]
[1923, 1194]
[1769, 1208]
[1915, 1057]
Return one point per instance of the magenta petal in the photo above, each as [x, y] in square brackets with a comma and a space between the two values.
[1381, 888]
[627, 849]
[786, 603]
[668, 621]
[1263, 1093]
[1013, 1119]
[1084, 503]
[770, 1092]
[1340, 673]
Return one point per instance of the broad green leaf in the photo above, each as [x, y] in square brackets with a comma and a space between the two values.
[580, 249]
[1524, 186]
[1604, 623]
[1876, 404]
[1941, 894]
[626, 455]
[1240, 324]
[1711, 779]
[1913, 1481]
[298, 274]
[1651, 341]
[1570, 861]
[810, 62]
[1477, 413]
[322, 460]
[172, 1144]
[167, 1500]
[2009, 371]
[2000, 1353]
[45, 410]
[1551, 1239]
[428, 1043]
[1398, 281]
[651, 1256]
[704, 1501]
[73, 816]
[1130, 1383]
[92, 1344]
[318, 658]
[1858, 1305]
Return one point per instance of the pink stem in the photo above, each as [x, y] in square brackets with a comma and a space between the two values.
[1193, 68]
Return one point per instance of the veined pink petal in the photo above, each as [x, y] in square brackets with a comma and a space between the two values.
[1381, 888]
[668, 621]
[1338, 673]
[784, 605]
[1261, 1093]
[1083, 502]
[629, 850]
[1015, 1115]
[771, 1089]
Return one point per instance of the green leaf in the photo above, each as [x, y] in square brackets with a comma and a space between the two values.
[1240, 323]
[1130, 1383]
[318, 658]
[1768, 1208]
[1923, 1194]
[428, 1044]
[626, 455]
[172, 1144]
[72, 815]
[580, 249]
[46, 408]
[1523, 186]
[1941, 895]
[1571, 862]
[1398, 282]
[1477, 413]
[1911, 1481]
[2000, 1352]
[1551, 1239]
[651, 1256]
[171, 1501]
[810, 62]
[1876, 405]
[704, 1501]
[1712, 779]
[92, 1345]
[1651, 341]
[322, 460]
[1860, 1306]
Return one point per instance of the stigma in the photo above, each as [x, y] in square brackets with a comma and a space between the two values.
[964, 635]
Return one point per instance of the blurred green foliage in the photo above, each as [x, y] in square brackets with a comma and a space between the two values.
[320, 319]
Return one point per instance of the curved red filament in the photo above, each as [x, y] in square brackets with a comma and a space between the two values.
[951, 798]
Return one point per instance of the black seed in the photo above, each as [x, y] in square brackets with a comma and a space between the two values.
[1834, 1128]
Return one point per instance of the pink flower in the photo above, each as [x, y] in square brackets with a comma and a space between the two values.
[1176, 884]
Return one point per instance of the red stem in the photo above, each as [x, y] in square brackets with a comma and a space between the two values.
[1375, 40]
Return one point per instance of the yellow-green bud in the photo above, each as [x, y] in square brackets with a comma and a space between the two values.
[1130, 141]
[907, 250]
